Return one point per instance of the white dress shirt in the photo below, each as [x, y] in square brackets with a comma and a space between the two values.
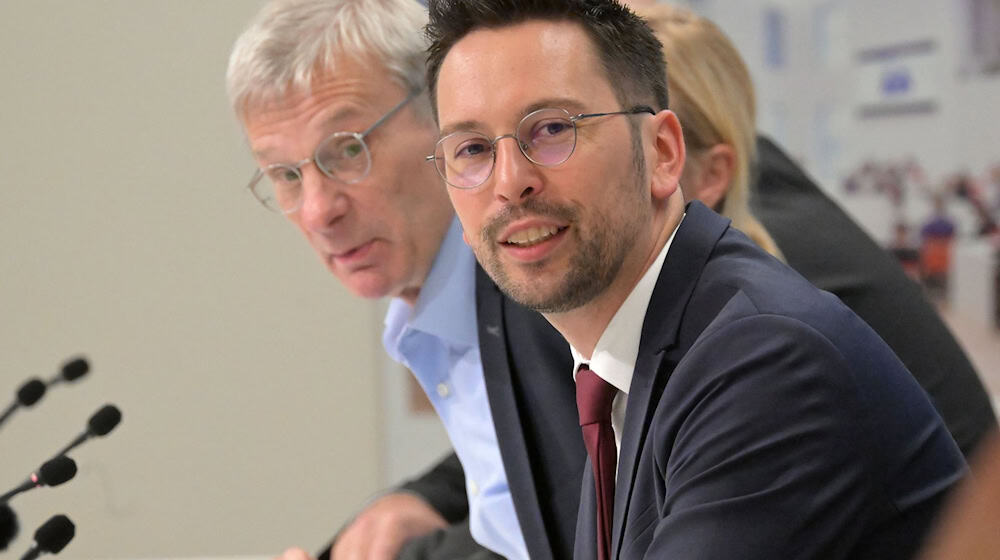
[616, 351]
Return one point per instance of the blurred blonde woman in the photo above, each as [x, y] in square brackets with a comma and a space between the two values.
[713, 96]
[733, 169]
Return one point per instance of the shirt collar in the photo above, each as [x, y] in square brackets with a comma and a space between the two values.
[618, 348]
[445, 307]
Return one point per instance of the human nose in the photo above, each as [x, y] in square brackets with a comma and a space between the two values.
[323, 200]
[516, 177]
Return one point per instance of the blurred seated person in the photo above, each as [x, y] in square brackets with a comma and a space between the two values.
[936, 238]
[968, 528]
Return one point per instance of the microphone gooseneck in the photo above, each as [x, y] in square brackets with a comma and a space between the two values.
[56, 471]
[8, 526]
[52, 473]
[99, 424]
[51, 537]
[34, 389]
[104, 420]
[31, 392]
[71, 371]
[27, 395]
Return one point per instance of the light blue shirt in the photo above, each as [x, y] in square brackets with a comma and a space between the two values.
[437, 340]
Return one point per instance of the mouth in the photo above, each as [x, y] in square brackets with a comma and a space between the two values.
[354, 254]
[532, 236]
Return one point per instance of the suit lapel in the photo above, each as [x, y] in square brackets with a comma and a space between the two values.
[506, 419]
[586, 520]
[691, 248]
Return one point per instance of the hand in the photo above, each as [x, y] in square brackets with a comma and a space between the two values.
[968, 529]
[381, 529]
[294, 554]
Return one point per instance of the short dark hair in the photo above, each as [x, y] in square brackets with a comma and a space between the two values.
[630, 53]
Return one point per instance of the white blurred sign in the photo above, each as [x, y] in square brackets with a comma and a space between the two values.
[897, 79]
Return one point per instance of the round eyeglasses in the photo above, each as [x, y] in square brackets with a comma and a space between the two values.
[547, 137]
[342, 156]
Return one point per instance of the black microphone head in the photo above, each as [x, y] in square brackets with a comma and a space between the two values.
[75, 369]
[56, 471]
[30, 392]
[55, 534]
[104, 420]
[8, 526]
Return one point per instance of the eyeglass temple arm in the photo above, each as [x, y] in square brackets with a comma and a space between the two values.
[391, 112]
[633, 111]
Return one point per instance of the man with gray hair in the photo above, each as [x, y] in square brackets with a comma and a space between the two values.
[331, 96]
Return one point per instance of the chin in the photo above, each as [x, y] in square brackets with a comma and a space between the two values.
[369, 286]
[372, 291]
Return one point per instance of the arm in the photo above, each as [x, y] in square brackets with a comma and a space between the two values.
[443, 488]
[821, 242]
[417, 508]
[968, 530]
[776, 445]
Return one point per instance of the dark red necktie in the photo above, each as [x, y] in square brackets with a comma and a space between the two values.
[594, 397]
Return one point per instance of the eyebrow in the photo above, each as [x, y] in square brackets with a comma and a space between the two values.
[341, 114]
[573, 106]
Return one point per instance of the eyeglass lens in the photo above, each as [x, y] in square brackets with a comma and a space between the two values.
[546, 137]
[343, 156]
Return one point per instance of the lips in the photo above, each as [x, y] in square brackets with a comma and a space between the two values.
[353, 255]
[531, 243]
[532, 235]
[530, 231]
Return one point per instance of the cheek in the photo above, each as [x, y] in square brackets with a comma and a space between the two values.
[294, 219]
[467, 212]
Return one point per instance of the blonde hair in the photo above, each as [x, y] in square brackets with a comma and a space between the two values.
[290, 42]
[713, 96]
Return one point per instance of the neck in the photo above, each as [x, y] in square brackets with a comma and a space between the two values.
[410, 295]
[583, 327]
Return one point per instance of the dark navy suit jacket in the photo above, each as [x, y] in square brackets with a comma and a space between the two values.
[523, 355]
[766, 420]
[529, 381]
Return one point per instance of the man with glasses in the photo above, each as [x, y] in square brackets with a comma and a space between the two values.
[729, 409]
[330, 93]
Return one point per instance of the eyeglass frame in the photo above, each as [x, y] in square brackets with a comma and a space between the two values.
[636, 110]
[261, 172]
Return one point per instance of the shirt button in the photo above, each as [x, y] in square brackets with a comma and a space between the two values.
[473, 487]
[443, 390]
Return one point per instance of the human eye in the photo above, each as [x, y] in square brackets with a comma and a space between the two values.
[282, 175]
[550, 129]
[350, 150]
[340, 151]
[472, 148]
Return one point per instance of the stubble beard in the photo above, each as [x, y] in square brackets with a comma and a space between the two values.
[598, 258]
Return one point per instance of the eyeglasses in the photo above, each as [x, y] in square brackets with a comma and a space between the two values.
[547, 137]
[342, 156]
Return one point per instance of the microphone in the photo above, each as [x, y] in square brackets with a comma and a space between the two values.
[27, 395]
[71, 371]
[8, 526]
[99, 424]
[52, 473]
[51, 537]
[34, 388]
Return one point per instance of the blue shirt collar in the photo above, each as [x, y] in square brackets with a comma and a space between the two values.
[446, 306]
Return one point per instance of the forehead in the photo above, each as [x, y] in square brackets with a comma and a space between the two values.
[350, 94]
[494, 76]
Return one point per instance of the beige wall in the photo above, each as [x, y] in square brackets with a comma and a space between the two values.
[126, 234]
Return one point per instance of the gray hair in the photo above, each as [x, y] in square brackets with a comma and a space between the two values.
[290, 41]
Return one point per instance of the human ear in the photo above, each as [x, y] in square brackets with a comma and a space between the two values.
[669, 155]
[714, 174]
